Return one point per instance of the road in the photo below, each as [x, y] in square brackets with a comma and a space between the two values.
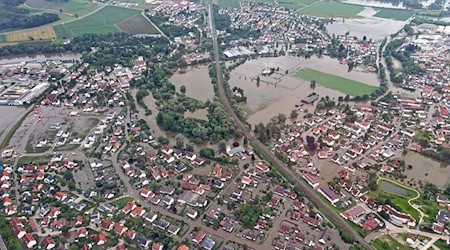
[309, 193]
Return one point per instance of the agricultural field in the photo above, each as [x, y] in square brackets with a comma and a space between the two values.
[387, 242]
[101, 22]
[44, 33]
[72, 7]
[331, 9]
[394, 14]
[296, 4]
[346, 86]
[137, 25]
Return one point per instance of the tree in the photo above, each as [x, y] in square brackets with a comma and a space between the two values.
[68, 175]
[222, 146]
[312, 84]
[179, 142]
[294, 114]
[183, 89]
[372, 185]
[245, 141]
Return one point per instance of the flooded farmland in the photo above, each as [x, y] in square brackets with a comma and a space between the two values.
[196, 80]
[379, 27]
[282, 92]
[390, 187]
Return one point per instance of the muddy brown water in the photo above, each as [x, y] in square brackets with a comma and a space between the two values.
[281, 92]
[196, 80]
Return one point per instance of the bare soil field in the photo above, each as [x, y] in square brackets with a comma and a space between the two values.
[137, 25]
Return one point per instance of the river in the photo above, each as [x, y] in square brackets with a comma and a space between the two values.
[39, 57]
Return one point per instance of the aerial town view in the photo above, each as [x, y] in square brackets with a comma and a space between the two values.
[225, 124]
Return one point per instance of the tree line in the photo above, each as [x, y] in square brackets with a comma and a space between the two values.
[12, 16]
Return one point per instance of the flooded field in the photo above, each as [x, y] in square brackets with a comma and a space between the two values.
[281, 92]
[373, 3]
[201, 114]
[390, 187]
[427, 170]
[379, 28]
[197, 82]
[10, 115]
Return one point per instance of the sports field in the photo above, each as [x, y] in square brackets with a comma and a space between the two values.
[394, 14]
[346, 86]
[44, 33]
[331, 9]
[101, 22]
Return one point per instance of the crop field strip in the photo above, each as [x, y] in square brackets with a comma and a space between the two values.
[101, 22]
[137, 25]
[45, 33]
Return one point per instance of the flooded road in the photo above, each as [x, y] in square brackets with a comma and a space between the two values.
[286, 90]
[39, 57]
[196, 80]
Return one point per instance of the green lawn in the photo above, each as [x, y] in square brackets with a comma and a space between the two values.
[395, 14]
[441, 244]
[338, 83]
[101, 22]
[2, 38]
[122, 202]
[35, 159]
[332, 9]
[387, 242]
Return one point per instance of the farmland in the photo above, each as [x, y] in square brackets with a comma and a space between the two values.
[101, 22]
[343, 85]
[395, 14]
[44, 33]
[331, 9]
[137, 25]
[74, 7]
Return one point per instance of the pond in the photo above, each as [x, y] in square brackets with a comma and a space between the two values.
[390, 187]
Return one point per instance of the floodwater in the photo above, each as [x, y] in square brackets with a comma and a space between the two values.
[359, 27]
[266, 100]
[39, 57]
[394, 189]
[378, 4]
[10, 115]
[196, 80]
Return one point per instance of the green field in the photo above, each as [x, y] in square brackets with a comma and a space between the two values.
[338, 83]
[331, 9]
[229, 3]
[296, 4]
[101, 22]
[395, 14]
[387, 242]
[2, 38]
[399, 202]
[79, 7]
